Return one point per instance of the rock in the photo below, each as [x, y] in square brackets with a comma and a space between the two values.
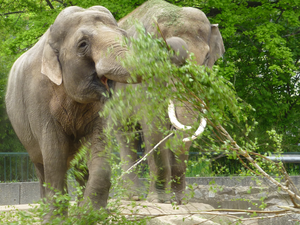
[180, 220]
[191, 213]
[226, 190]
[198, 194]
[211, 194]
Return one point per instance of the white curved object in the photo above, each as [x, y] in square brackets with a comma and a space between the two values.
[180, 126]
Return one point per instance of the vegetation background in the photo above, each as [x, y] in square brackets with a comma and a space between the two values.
[262, 58]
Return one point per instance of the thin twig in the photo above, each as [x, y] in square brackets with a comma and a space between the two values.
[245, 165]
[159, 30]
[145, 156]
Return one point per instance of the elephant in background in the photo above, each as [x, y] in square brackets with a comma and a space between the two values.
[55, 91]
[185, 30]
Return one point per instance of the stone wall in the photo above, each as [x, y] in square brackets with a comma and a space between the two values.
[219, 192]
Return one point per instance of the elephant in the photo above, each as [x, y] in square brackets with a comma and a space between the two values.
[55, 92]
[186, 30]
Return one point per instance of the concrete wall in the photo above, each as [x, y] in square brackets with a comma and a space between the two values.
[29, 192]
[19, 193]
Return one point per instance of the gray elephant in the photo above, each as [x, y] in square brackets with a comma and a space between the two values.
[55, 91]
[185, 30]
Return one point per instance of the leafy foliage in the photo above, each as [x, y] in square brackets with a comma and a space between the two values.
[262, 60]
[260, 47]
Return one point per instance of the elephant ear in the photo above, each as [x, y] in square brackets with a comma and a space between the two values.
[50, 64]
[216, 45]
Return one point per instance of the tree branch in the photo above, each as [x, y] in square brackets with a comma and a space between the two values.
[292, 34]
[49, 4]
[3, 14]
[279, 16]
[61, 2]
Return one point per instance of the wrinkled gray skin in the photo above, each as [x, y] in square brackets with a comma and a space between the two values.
[55, 91]
[184, 29]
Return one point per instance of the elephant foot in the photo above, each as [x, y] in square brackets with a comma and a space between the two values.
[180, 199]
[132, 193]
[159, 201]
[177, 202]
[50, 221]
[134, 198]
[131, 197]
[159, 198]
[166, 198]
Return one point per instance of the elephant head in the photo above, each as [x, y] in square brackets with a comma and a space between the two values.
[81, 51]
[186, 30]
[212, 52]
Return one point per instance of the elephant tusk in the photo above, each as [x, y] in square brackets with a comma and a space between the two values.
[173, 119]
[180, 126]
[198, 131]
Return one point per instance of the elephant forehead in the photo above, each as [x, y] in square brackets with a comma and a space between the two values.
[195, 14]
[96, 16]
[72, 20]
[77, 13]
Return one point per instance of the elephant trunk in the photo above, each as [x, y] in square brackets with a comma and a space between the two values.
[109, 67]
[106, 69]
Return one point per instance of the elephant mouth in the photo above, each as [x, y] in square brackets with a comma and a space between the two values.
[103, 83]
[104, 80]
[107, 83]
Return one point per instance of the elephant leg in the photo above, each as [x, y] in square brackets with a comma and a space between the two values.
[39, 168]
[97, 187]
[55, 183]
[98, 184]
[55, 153]
[160, 174]
[159, 166]
[128, 153]
[178, 172]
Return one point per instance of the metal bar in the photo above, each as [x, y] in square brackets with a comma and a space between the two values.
[22, 167]
[289, 157]
[285, 158]
[4, 158]
[16, 173]
[13, 153]
[27, 165]
[10, 168]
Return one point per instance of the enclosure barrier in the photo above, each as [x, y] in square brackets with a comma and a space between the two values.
[17, 166]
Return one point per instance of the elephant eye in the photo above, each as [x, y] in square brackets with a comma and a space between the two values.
[56, 51]
[82, 46]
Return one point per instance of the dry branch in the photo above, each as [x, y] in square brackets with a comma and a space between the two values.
[239, 150]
